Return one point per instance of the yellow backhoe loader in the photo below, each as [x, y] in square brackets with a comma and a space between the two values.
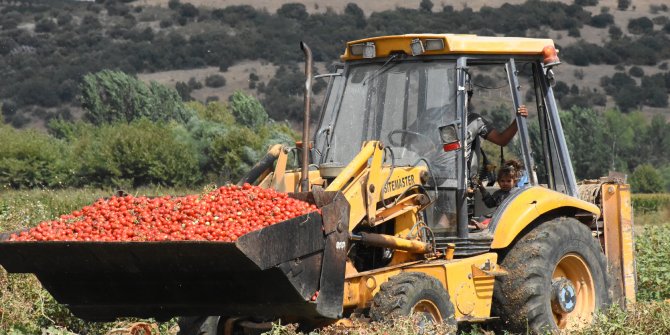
[391, 166]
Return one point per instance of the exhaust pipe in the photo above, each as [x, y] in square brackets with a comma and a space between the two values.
[304, 178]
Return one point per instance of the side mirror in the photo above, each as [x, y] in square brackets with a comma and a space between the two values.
[449, 137]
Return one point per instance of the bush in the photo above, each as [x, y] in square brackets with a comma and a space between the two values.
[636, 71]
[188, 10]
[135, 154]
[640, 26]
[623, 4]
[194, 84]
[574, 32]
[601, 20]
[166, 23]
[215, 80]
[174, 4]
[583, 3]
[45, 26]
[295, 11]
[32, 159]
[646, 179]
[615, 32]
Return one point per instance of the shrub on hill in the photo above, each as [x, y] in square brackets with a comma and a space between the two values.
[215, 81]
[601, 20]
[639, 26]
[111, 96]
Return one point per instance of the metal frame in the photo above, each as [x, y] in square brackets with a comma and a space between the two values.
[549, 119]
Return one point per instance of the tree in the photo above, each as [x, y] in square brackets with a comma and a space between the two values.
[655, 91]
[426, 6]
[640, 26]
[623, 4]
[356, 13]
[174, 4]
[247, 110]
[584, 133]
[602, 20]
[112, 96]
[636, 71]
[184, 91]
[295, 11]
[646, 179]
[45, 26]
[215, 81]
[583, 3]
[188, 10]
[615, 32]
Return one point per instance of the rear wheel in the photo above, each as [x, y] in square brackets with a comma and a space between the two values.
[413, 293]
[557, 279]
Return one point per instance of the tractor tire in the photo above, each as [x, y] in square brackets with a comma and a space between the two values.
[557, 279]
[411, 293]
[199, 325]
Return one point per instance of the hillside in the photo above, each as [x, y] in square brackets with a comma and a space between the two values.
[612, 57]
[587, 77]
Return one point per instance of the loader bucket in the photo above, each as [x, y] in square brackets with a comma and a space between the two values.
[273, 272]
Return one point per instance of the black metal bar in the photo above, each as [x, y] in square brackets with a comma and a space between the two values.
[304, 183]
[544, 125]
[562, 147]
[463, 175]
[521, 123]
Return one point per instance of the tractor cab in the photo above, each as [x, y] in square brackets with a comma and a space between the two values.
[417, 94]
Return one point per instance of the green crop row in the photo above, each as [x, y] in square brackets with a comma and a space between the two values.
[645, 203]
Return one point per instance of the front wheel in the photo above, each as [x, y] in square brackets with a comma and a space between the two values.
[557, 279]
[413, 294]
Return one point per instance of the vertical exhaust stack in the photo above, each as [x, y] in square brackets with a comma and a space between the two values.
[304, 178]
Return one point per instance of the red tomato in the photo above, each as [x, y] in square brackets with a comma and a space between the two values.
[221, 215]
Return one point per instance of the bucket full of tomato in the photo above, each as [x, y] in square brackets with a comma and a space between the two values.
[276, 271]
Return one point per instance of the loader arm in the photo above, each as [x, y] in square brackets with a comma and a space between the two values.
[376, 192]
[365, 183]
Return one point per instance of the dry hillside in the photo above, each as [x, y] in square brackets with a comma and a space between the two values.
[375, 6]
[237, 75]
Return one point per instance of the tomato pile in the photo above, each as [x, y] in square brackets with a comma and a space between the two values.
[221, 215]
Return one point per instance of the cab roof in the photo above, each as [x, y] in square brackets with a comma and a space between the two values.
[453, 44]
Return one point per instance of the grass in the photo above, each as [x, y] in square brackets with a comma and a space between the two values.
[26, 308]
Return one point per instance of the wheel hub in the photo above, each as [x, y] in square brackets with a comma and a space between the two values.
[563, 296]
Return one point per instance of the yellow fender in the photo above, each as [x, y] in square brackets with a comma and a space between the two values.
[527, 206]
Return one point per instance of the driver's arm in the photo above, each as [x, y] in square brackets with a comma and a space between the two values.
[503, 138]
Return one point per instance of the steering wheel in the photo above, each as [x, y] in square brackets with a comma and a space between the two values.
[421, 142]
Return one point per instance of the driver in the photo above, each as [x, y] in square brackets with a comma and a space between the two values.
[478, 127]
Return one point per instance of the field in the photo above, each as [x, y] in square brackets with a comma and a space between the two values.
[25, 308]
